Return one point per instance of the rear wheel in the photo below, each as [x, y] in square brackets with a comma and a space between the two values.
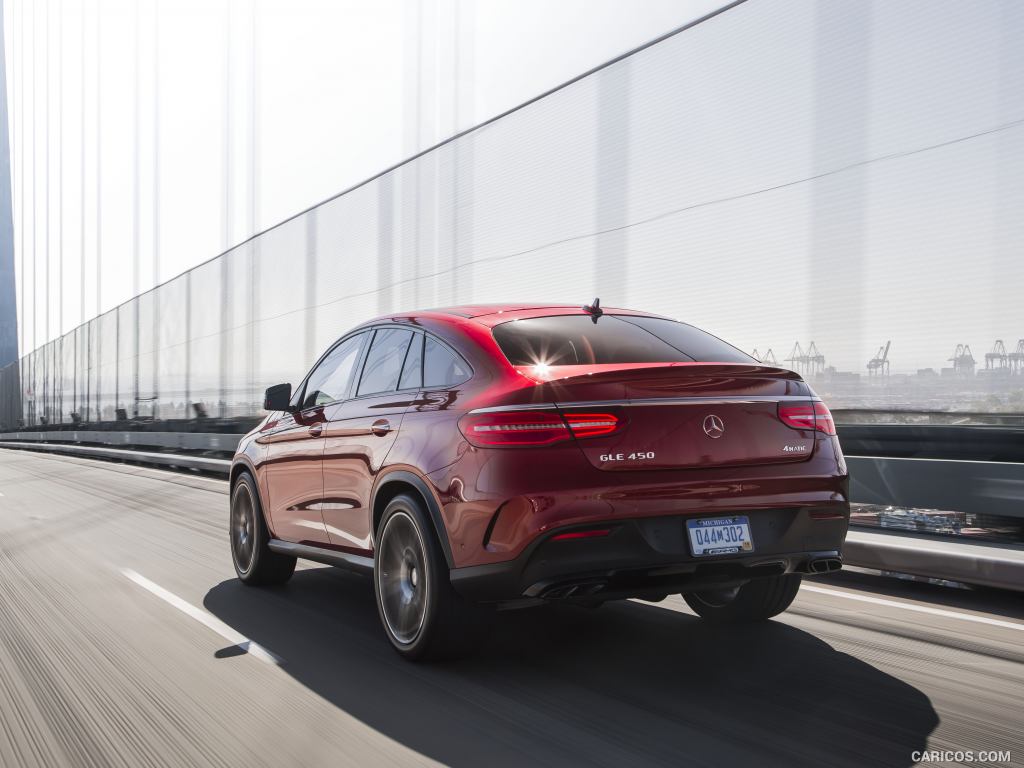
[254, 561]
[423, 616]
[756, 600]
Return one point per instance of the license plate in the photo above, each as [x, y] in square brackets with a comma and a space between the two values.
[720, 536]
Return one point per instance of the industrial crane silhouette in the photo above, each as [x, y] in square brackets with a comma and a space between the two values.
[963, 360]
[997, 358]
[797, 358]
[815, 360]
[1016, 358]
[768, 358]
[806, 363]
[879, 364]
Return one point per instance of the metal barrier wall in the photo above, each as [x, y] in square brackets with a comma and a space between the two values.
[780, 171]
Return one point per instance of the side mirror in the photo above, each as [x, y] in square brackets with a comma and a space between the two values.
[278, 398]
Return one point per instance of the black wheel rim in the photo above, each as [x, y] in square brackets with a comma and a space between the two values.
[402, 578]
[243, 529]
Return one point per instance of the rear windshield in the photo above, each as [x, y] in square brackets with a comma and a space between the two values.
[578, 340]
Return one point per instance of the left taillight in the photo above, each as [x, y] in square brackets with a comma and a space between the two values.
[531, 428]
[812, 415]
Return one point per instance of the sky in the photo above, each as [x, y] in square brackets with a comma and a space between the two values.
[839, 172]
[133, 121]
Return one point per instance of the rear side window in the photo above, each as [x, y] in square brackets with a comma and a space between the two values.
[412, 371]
[441, 366]
[613, 339]
[698, 344]
[384, 361]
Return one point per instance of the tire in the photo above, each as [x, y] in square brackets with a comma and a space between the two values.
[255, 563]
[756, 600]
[424, 618]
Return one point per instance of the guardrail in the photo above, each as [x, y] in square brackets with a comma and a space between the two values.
[175, 460]
[221, 442]
[979, 563]
[976, 468]
[933, 476]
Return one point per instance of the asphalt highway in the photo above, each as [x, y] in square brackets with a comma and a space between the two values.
[125, 640]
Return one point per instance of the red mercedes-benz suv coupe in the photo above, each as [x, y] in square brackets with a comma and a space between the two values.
[482, 457]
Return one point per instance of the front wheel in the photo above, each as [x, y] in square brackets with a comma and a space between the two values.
[756, 600]
[255, 563]
[423, 616]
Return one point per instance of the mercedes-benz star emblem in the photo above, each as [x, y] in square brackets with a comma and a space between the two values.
[713, 426]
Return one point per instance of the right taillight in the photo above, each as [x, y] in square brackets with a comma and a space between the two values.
[592, 424]
[812, 415]
[533, 427]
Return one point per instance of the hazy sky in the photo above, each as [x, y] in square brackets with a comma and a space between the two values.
[838, 171]
[342, 90]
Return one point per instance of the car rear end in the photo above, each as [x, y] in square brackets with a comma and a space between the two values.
[635, 456]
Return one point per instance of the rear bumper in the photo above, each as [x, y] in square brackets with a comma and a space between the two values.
[650, 557]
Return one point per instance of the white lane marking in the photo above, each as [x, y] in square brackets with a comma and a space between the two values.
[916, 608]
[204, 618]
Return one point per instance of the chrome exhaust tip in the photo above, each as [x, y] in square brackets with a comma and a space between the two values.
[824, 565]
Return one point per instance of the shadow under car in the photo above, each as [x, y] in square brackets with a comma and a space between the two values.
[630, 683]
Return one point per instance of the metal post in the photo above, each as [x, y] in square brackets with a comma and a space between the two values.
[117, 361]
[60, 207]
[136, 212]
[156, 209]
[99, 164]
[385, 241]
[99, 211]
[462, 208]
[612, 179]
[8, 290]
[188, 344]
[253, 203]
[227, 168]
[311, 249]
[842, 105]
[227, 230]
[47, 362]
[35, 196]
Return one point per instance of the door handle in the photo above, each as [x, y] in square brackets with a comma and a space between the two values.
[315, 430]
[380, 427]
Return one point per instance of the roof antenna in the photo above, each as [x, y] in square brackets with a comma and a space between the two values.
[594, 310]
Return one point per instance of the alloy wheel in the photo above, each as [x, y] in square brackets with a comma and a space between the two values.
[402, 578]
[243, 528]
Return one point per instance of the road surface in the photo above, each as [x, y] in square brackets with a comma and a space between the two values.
[125, 640]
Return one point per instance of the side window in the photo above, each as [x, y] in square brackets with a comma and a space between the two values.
[330, 380]
[383, 364]
[412, 371]
[441, 367]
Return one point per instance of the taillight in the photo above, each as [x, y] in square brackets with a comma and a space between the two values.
[823, 418]
[524, 428]
[514, 428]
[591, 424]
[813, 415]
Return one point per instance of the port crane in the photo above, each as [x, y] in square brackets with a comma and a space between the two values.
[879, 364]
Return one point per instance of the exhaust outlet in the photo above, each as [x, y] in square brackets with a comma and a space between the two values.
[824, 565]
